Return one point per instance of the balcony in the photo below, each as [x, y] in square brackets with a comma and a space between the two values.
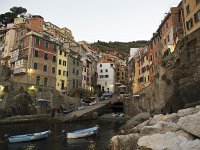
[14, 59]
[21, 70]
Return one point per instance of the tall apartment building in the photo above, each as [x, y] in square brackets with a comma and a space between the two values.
[106, 76]
[33, 60]
[191, 10]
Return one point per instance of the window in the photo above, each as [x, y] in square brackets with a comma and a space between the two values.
[148, 77]
[54, 47]
[37, 80]
[100, 65]
[77, 63]
[106, 76]
[139, 71]
[101, 70]
[54, 58]
[106, 70]
[36, 53]
[35, 66]
[168, 38]
[151, 57]
[197, 16]
[45, 68]
[74, 61]
[111, 65]
[64, 73]
[165, 41]
[64, 63]
[189, 24]
[105, 82]
[73, 71]
[197, 1]
[60, 61]
[37, 41]
[59, 72]
[46, 44]
[53, 70]
[45, 56]
[73, 83]
[84, 69]
[188, 9]
[101, 76]
[77, 72]
[45, 81]
[60, 52]
[147, 57]
[65, 54]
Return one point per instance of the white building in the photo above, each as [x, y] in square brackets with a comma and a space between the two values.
[106, 76]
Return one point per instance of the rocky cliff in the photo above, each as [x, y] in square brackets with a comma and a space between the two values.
[176, 80]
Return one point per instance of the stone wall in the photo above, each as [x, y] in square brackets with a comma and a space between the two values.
[176, 81]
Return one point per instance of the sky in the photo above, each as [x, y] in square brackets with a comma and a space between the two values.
[104, 20]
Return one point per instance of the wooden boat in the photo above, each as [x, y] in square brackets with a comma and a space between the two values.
[92, 103]
[28, 137]
[82, 133]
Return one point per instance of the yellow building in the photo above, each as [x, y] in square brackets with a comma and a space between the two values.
[191, 15]
[62, 74]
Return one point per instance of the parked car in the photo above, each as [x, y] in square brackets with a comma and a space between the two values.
[106, 96]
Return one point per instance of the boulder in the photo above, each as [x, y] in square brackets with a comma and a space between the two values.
[191, 124]
[127, 142]
[160, 127]
[190, 145]
[168, 118]
[188, 111]
[169, 140]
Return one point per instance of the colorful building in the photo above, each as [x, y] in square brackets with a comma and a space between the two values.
[191, 10]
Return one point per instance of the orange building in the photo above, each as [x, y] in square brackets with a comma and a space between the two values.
[191, 10]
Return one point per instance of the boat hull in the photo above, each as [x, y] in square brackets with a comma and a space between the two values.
[29, 137]
[82, 133]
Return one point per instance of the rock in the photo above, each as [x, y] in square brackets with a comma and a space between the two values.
[190, 145]
[191, 124]
[139, 127]
[187, 111]
[169, 140]
[127, 142]
[185, 134]
[137, 120]
[168, 118]
[160, 127]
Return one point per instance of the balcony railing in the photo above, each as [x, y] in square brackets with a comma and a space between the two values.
[20, 70]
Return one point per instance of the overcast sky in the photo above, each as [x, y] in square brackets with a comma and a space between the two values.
[105, 20]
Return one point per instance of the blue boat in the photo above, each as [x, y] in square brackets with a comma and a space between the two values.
[29, 137]
[82, 133]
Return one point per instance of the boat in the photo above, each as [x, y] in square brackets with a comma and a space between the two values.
[29, 137]
[81, 107]
[81, 133]
[92, 103]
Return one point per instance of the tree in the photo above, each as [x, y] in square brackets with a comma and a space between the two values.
[9, 17]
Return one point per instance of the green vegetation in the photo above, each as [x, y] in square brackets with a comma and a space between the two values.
[121, 47]
[9, 17]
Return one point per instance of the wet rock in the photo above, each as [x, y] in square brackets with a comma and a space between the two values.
[191, 124]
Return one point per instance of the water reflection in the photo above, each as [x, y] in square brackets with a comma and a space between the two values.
[56, 140]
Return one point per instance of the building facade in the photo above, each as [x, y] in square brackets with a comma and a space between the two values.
[106, 76]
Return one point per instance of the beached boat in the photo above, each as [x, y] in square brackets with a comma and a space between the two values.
[82, 133]
[28, 137]
[92, 103]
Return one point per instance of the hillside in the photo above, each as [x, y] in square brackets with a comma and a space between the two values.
[122, 47]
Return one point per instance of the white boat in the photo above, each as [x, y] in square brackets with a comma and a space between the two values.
[92, 103]
[28, 137]
[82, 133]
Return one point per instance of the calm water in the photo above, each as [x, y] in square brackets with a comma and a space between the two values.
[56, 140]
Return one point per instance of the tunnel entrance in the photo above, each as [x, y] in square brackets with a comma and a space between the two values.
[117, 107]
